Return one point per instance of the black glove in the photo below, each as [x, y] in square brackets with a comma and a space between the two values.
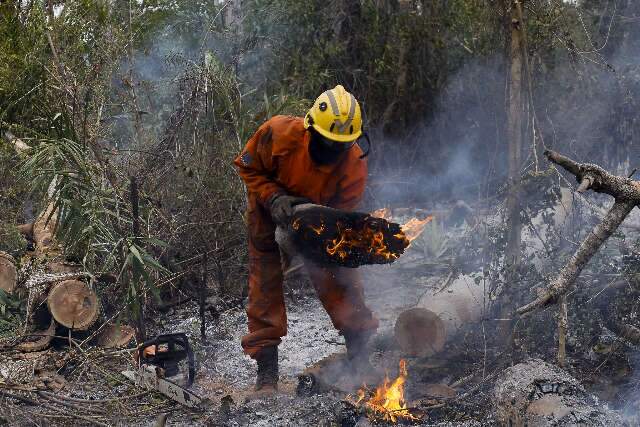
[281, 207]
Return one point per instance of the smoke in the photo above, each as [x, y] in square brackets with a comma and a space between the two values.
[586, 106]
[456, 153]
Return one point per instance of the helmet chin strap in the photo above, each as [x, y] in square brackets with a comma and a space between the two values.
[365, 135]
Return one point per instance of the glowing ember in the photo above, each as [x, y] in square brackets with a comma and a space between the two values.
[369, 239]
[349, 239]
[388, 400]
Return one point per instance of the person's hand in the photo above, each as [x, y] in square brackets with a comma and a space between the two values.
[282, 207]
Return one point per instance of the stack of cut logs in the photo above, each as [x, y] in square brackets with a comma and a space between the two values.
[57, 296]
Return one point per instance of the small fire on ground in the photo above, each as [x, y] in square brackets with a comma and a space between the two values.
[388, 401]
[411, 229]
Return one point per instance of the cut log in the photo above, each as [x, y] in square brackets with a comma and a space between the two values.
[19, 145]
[39, 340]
[349, 239]
[73, 304]
[422, 331]
[116, 336]
[60, 267]
[536, 393]
[8, 273]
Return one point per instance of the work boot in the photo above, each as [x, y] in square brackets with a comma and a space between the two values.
[267, 379]
[358, 358]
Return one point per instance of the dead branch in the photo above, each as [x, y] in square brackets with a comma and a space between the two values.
[627, 195]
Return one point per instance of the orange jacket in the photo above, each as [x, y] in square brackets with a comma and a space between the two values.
[276, 159]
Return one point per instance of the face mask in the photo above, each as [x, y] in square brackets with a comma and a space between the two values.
[323, 151]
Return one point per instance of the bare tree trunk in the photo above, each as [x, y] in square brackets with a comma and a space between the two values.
[514, 136]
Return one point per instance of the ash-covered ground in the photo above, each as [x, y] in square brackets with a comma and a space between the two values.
[455, 387]
[226, 376]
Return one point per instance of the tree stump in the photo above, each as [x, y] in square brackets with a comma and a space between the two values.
[73, 304]
[115, 336]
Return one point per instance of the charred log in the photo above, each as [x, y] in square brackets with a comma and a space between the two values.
[348, 239]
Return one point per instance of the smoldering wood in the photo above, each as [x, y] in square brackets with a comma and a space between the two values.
[627, 195]
[316, 230]
[323, 376]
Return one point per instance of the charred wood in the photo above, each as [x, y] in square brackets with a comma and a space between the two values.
[349, 239]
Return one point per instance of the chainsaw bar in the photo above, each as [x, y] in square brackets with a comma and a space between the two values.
[148, 377]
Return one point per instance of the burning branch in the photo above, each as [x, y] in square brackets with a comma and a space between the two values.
[627, 195]
[349, 239]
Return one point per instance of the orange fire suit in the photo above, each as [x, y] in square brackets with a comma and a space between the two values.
[276, 159]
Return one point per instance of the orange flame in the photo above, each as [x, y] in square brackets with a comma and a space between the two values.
[371, 240]
[388, 400]
[414, 227]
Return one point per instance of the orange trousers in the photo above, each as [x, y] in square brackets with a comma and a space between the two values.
[339, 289]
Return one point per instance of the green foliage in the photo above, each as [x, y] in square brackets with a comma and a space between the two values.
[11, 241]
[10, 314]
[13, 198]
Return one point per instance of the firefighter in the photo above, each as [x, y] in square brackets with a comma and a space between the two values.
[292, 160]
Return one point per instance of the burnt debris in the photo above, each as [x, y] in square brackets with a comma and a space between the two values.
[348, 239]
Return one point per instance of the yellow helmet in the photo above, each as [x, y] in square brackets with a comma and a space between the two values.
[336, 115]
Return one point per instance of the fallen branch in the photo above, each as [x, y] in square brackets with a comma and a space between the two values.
[627, 195]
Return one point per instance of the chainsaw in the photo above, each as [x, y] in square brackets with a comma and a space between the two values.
[159, 368]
